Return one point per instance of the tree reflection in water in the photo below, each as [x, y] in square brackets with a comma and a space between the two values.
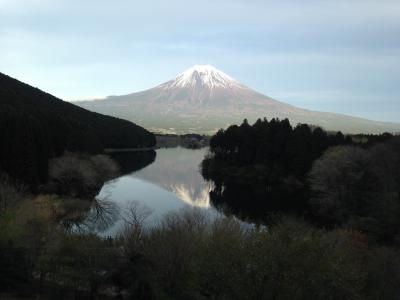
[91, 216]
[101, 213]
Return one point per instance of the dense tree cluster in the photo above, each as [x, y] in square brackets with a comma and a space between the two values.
[275, 144]
[262, 168]
[36, 126]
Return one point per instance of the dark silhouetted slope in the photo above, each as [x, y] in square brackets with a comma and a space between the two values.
[35, 126]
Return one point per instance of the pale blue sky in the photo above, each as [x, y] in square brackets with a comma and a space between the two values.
[341, 55]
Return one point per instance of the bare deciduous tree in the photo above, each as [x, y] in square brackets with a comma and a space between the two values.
[80, 175]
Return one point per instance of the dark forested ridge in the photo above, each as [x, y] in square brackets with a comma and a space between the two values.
[35, 126]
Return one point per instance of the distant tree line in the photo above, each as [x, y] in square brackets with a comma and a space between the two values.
[36, 126]
[189, 141]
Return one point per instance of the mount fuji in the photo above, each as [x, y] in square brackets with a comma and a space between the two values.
[204, 99]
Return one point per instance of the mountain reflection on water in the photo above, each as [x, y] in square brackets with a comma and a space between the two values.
[170, 182]
[177, 170]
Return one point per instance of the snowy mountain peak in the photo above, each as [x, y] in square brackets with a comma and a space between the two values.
[203, 99]
[203, 76]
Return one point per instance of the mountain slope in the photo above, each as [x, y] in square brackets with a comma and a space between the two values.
[204, 99]
[35, 126]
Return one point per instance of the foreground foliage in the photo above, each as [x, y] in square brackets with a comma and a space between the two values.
[188, 255]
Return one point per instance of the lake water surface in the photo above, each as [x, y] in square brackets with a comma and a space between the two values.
[173, 181]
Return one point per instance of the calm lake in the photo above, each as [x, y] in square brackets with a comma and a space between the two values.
[173, 181]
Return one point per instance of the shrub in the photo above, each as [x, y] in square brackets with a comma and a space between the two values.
[80, 175]
[188, 256]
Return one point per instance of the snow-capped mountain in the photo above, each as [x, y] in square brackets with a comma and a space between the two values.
[203, 99]
[204, 75]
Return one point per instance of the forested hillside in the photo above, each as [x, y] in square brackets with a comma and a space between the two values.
[36, 126]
